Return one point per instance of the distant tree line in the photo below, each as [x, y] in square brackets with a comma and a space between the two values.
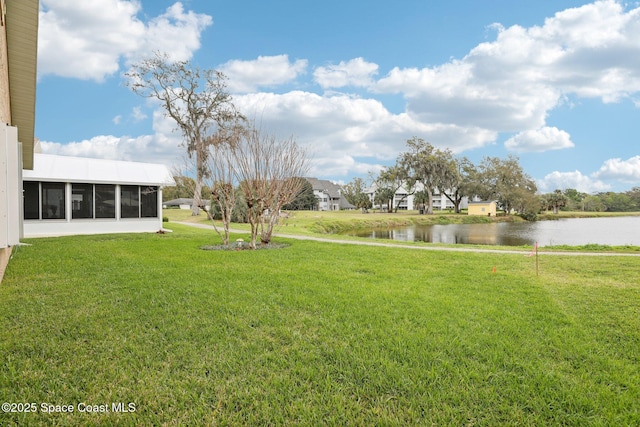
[304, 200]
[573, 200]
[494, 178]
[502, 180]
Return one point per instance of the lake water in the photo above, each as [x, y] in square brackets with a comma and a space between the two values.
[613, 231]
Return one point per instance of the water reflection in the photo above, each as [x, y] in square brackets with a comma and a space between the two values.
[575, 231]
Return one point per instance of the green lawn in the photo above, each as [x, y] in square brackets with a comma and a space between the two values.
[330, 222]
[316, 334]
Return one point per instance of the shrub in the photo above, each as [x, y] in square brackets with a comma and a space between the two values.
[529, 216]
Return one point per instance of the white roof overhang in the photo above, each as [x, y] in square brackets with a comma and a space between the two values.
[52, 168]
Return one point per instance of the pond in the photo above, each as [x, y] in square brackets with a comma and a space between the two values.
[613, 231]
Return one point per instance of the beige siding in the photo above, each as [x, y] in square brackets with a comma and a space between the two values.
[5, 117]
[5, 110]
[482, 209]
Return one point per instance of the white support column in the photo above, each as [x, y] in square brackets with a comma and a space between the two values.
[117, 202]
[68, 203]
[10, 187]
[160, 202]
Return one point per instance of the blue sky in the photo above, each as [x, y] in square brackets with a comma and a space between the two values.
[556, 83]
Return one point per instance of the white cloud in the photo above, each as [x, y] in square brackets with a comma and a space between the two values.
[88, 39]
[563, 180]
[622, 170]
[102, 146]
[512, 83]
[163, 146]
[540, 140]
[117, 119]
[176, 32]
[266, 71]
[509, 84]
[348, 124]
[625, 171]
[341, 165]
[346, 134]
[356, 72]
[137, 114]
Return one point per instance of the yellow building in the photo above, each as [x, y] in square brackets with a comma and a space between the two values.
[482, 208]
[18, 58]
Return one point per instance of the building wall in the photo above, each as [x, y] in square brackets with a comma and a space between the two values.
[56, 228]
[5, 111]
[407, 202]
[69, 226]
[10, 187]
[5, 117]
[482, 209]
[326, 202]
[18, 58]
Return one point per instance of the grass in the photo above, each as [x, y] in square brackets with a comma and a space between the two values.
[316, 333]
[333, 222]
[549, 215]
[323, 223]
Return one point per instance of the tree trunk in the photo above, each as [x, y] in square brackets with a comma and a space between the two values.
[197, 199]
[430, 202]
[227, 220]
[197, 194]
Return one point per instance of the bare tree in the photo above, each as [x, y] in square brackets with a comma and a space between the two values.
[196, 99]
[269, 173]
[223, 174]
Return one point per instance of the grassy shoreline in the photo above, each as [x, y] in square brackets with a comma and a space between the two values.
[323, 223]
[329, 222]
[316, 333]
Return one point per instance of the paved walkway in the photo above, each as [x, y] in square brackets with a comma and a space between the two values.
[426, 248]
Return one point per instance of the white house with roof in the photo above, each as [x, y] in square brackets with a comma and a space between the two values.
[329, 195]
[184, 204]
[75, 195]
[405, 198]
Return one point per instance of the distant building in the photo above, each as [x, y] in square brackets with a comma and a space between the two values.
[405, 200]
[76, 195]
[183, 203]
[482, 208]
[329, 195]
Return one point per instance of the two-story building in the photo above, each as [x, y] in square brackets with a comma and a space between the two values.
[329, 195]
[404, 198]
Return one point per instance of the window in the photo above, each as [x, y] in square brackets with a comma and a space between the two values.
[47, 200]
[81, 201]
[31, 200]
[53, 200]
[105, 201]
[129, 201]
[149, 202]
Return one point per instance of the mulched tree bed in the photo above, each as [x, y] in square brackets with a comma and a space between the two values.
[241, 245]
